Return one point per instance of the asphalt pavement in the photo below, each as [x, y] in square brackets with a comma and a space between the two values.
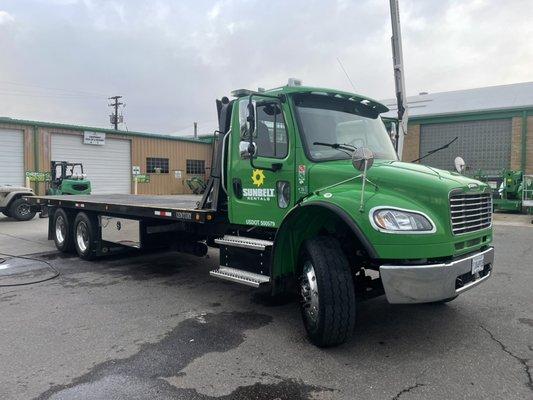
[157, 326]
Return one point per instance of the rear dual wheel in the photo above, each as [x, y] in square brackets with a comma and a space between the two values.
[86, 238]
[79, 233]
[62, 231]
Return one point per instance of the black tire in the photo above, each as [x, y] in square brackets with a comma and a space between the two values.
[334, 319]
[85, 236]
[445, 300]
[62, 231]
[20, 210]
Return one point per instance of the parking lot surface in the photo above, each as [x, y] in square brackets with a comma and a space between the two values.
[158, 326]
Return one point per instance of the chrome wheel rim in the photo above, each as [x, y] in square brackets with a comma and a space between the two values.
[82, 236]
[309, 292]
[61, 229]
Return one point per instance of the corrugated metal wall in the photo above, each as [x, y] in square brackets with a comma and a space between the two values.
[177, 152]
[12, 157]
[484, 145]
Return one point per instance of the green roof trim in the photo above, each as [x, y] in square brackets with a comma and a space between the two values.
[310, 89]
[469, 116]
[201, 139]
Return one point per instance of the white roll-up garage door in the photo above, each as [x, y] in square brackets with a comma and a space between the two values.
[11, 157]
[108, 167]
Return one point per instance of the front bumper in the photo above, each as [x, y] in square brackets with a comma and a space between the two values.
[433, 282]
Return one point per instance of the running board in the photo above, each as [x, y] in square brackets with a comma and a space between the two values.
[244, 242]
[240, 276]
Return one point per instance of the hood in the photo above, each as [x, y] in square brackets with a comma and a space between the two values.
[413, 181]
[9, 188]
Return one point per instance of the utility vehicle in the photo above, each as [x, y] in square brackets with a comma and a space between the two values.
[13, 202]
[306, 195]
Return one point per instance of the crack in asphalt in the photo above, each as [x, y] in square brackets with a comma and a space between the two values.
[523, 361]
[407, 390]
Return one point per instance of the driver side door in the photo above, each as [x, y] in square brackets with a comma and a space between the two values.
[261, 187]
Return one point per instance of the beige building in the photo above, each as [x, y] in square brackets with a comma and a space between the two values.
[110, 158]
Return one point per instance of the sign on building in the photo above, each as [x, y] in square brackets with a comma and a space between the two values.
[36, 176]
[94, 138]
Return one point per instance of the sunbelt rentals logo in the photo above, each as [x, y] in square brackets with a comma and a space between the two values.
[258, 177]
[258, 193]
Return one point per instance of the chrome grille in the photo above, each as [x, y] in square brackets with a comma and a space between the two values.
[470, 212]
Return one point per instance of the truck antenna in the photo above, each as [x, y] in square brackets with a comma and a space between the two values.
[346, 73]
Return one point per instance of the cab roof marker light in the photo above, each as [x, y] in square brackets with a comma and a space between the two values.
[241, 92]
[293, 82]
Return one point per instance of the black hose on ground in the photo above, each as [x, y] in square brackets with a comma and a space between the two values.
[54, 270]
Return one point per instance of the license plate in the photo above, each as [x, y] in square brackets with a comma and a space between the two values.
[478, 263]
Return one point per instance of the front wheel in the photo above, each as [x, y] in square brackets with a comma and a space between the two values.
[21, 210]
[327, 290]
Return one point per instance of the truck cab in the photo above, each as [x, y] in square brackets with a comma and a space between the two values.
[331, 231]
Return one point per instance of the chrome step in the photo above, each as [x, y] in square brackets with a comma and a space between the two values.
[240, 276]
[244, 242]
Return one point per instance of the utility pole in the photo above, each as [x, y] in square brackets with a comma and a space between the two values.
[114, 118]
[399, 79]
[196, 130]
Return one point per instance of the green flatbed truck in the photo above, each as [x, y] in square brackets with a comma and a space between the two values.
[306, 195]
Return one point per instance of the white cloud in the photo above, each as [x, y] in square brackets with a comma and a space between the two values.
[172, 59]
[214, 12]
[5, 17]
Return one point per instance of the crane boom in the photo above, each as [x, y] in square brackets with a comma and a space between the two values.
[399, 77]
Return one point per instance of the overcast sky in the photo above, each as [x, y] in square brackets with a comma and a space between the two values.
[61, 59]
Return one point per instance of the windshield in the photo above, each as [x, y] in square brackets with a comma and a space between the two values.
[334, 120]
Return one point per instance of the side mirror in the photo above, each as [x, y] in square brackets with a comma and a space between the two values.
[362, 159]
[392, 132]
[460, 164]
[250, 119]
[246, 149]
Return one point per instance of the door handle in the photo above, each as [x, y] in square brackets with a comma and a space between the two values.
[237, 187]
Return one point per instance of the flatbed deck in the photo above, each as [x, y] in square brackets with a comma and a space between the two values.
[180, 207]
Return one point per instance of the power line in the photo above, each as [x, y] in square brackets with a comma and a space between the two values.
[346, 73]
[54, 96]
[81, 92]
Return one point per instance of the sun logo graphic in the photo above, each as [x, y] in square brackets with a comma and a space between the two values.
[258, 177]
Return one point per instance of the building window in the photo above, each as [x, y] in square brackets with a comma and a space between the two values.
[196, 167]
[157, 165]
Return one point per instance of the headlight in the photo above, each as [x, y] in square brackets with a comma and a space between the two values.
[401, 221]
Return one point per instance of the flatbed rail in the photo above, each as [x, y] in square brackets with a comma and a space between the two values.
[176, 207]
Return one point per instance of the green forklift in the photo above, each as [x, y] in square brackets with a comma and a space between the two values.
[67, 178]
[512, 190]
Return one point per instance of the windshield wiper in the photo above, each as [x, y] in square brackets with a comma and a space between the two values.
[344, 147]
[435, 150]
